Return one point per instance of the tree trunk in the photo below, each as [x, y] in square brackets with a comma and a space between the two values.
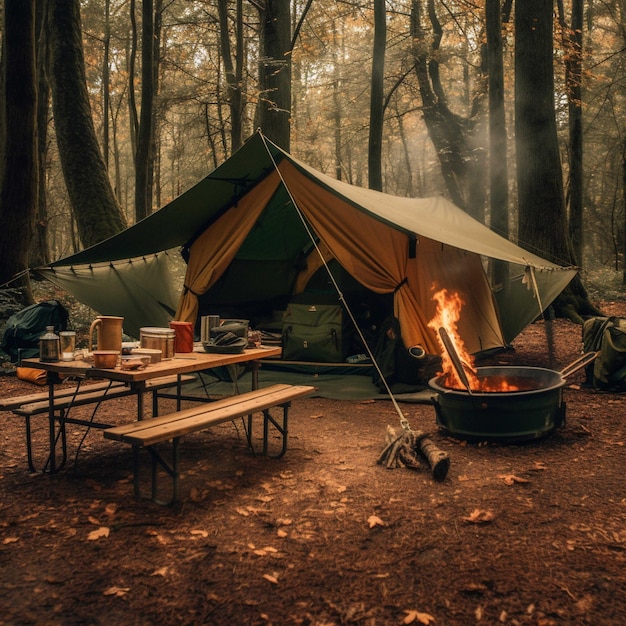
[132, 56]
[19, 183]
[337, 118]
[375, 148]
[451, 134]
[624, 211]
[234, 73]
[40, 249]
[145, 144]
[498, 167]
[573, 48]
[105, 82]
[95, 208]
[273, 113]
[542, 221]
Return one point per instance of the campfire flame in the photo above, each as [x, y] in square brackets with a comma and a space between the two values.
[447, 315]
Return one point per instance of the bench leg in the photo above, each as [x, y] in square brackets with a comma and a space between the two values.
[62, 434]
[156, 461]
[54, 437]
[136, 471]
[281, 428]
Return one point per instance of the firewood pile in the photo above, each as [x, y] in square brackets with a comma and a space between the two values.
[414, 450]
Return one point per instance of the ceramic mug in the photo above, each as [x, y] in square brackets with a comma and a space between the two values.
[109, 332]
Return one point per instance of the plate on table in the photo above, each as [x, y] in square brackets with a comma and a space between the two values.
[232, 348]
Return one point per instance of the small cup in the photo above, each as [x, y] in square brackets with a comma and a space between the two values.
[68, 344]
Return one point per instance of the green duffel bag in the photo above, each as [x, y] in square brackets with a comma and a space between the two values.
[314, 332]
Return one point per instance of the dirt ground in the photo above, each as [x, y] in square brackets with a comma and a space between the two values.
[515, 534]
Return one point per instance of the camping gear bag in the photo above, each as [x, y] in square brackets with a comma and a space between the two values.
[314, 332]
[607, 336]
[23, 329]
[403, 371]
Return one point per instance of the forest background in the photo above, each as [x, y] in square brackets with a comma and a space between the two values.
[515, 111]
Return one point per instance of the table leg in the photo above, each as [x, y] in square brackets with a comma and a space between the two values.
[255, 366]
[53, 434]
[140, 389]
[52, 429]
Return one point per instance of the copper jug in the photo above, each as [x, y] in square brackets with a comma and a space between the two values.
[109, 332]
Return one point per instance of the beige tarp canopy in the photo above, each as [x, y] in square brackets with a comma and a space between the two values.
[243, 229]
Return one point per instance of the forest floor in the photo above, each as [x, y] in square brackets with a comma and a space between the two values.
[531, 533]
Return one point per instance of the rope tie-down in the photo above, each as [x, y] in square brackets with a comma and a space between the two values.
[411, 449]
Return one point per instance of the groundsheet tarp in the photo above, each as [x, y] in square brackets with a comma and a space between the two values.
[333, 386]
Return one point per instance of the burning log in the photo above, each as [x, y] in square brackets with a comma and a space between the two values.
[410, 448]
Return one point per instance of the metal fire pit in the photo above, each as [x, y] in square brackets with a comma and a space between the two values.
[531, 413]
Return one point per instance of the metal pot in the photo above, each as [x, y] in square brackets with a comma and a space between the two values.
[531, 413]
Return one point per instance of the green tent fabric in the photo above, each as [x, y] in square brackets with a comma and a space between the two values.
[392, 245]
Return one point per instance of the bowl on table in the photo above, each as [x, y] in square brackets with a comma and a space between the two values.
[135, 361]
[105, 359]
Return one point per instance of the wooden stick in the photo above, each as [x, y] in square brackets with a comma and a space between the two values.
[438, 460]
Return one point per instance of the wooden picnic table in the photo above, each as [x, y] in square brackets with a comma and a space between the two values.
[138, 382]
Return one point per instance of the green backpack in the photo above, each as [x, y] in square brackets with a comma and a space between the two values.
[314, 332]
[607, 336]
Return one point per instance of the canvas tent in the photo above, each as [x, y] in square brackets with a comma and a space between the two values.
[245, 229]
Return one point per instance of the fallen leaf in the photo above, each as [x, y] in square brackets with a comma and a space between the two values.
[110, 509]
[412, 617]
[94, 521]
[316, 417]
[201, 533]
[162, 571]
[273, 579]
[477, 588]
[281, 533]
[117, 591]
[510, 479]
[374, 520]
[477, 516]
[8, 540]
[103, 531]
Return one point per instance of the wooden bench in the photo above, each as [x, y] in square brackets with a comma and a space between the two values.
[8, 404]
[148, 433]
[30, 405]
[88, 394]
